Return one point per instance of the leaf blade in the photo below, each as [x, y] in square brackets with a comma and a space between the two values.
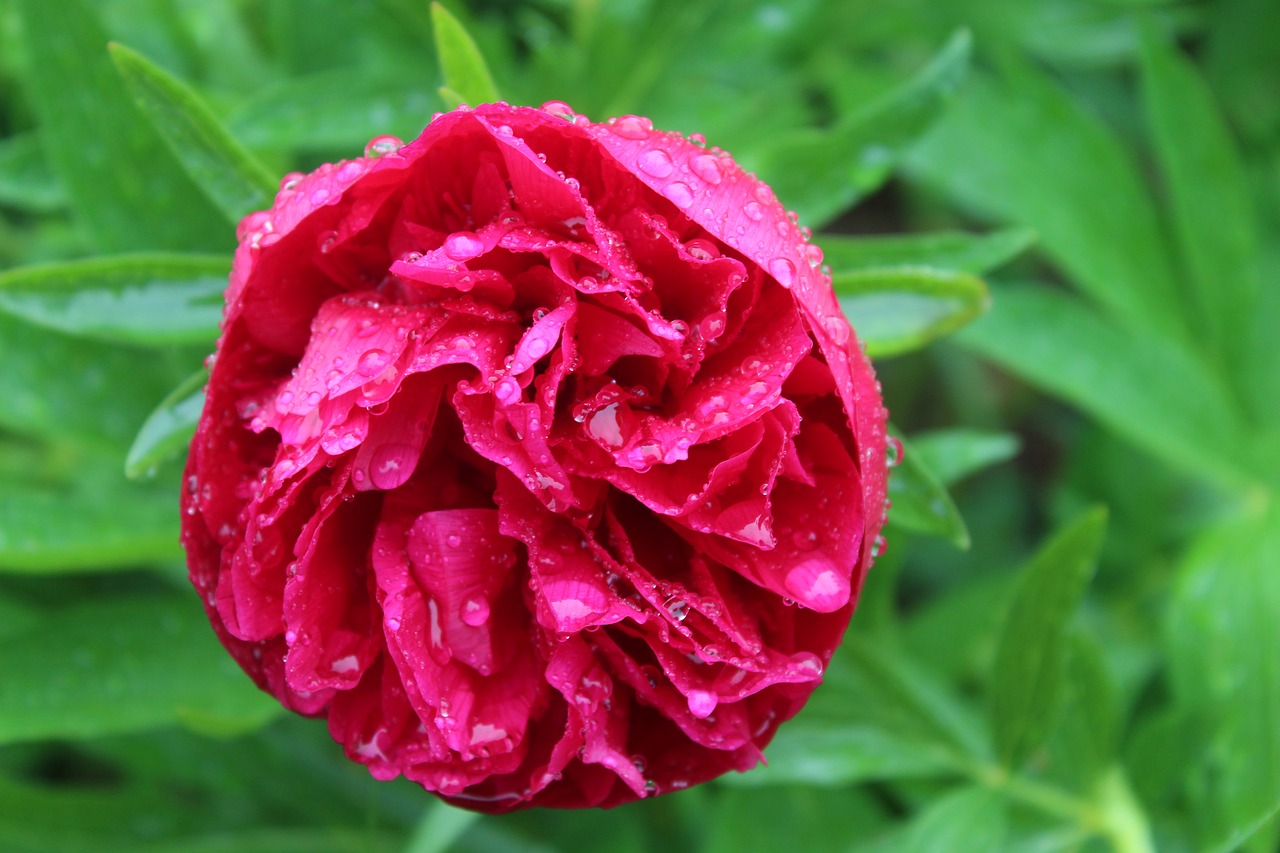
[167, 431]
[975, 254]
[1029, 670]
[228, 174]
[896, 310]
[466, 76]
[143, 299]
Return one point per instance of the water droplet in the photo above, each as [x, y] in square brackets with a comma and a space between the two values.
[463, 245]
[680, 194]
[381, 146]
[373, 362]
[784, 271]
[475, 612]
[707, 167]
[391, 465]
[813, 254]
[893, 450]
[702, 703]
[558, 108]
[656, 162]
[291, 180]
[631, 127]
[838, 328]
[703, 250]
[507, 391]
[816, 582]
[604, 427]
[754, 210]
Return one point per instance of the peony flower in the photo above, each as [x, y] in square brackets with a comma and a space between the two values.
[537, 457]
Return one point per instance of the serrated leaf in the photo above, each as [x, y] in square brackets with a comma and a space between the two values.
[466, 76]
[229, 175]
[953, 454]
[167, 430]
[26, 182]
[1222, 639]
[821, 172]
[1136, 384]
[122, 664]
[920, 503]
[149, 300]
[1020, 149]
[57, 386]
[96, 521]
[122, 180]
[1209, 196]
[1029, 672]
[899, 309]
[976, 254]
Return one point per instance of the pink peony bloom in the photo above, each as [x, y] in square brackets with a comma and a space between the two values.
[538, 458]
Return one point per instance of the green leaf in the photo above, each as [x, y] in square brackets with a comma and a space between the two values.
[54, 385]
[1136, 384]
[335, 111]
[953, 454]
[26, 181]
[1020, 149]
[1029, 672]
[976, 254]
[466, 77]
[766, 820]
[964, 820]
[876, 716]
[230, 176]
[921, 504]
[168, 430]
[123, 181]
[1222, 639]
[149, 300]
[97, 521]
[1209, 196]
[1087, 740]
[441, 826]
[121, 664]
[821, 172]
[900, 309]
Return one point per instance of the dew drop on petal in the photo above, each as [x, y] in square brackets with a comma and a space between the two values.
[707, 167]
[657, 163]
[381, 146]
[475, 612]
[680, 194]
[603, 426]
[754, 210]
[817, 583]
[391, 465]
[702, 703]
[784, 271]
[373, 362]
[463, 245]
[632, 127]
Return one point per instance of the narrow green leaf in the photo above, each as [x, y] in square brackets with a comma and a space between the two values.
[800, 817]
[976, 254]
[920, 503]
[821, 172]
[54, 385]
[1020, 149]
[1136, 384]
[1209, 195]
[900, 309]
[1029, 671]
[466, 76]
[97, 521]
[26, 182]
[149, 300]
[953, 454]
[121, 664]
[168, 430]
[1087, 740]
[1222, 640]
[123, 181]
[230, 176]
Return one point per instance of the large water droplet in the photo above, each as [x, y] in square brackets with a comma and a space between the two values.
[463, 245]
[391, 465]
[631, 127]
[603, 426]
[373, 362]
[754, 210]
[475, 612]
[817, 582]
[656, 162]
[707, 167]
[680, 194]
[702, 703]
[784, 271]
[381, 146]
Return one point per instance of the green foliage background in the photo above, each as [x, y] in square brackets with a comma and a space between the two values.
[1073, 640]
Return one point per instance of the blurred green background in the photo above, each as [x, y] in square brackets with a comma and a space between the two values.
[1072, 642]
